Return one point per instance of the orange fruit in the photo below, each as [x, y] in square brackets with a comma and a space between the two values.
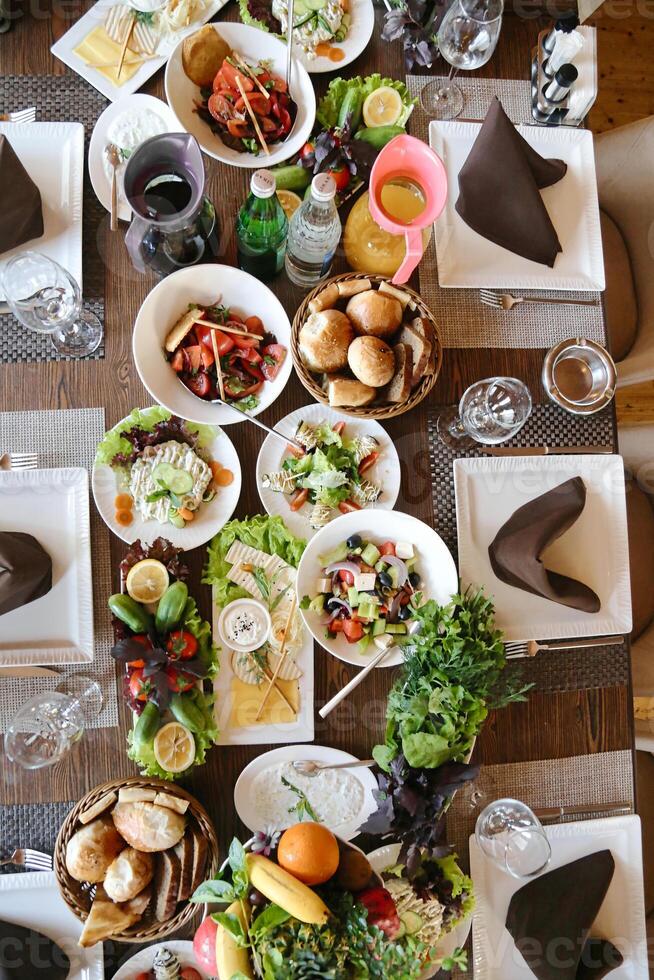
[309, 852]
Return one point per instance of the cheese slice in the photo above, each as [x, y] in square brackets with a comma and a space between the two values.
[246, 699]
[98, 48]
[120, 21]
[277, 571]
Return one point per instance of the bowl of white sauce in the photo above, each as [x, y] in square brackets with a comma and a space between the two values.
[244, 625]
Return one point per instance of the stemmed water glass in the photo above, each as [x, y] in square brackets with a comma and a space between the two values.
[490, 412]
[512, 836]
[467, 38]
[46, 727]
[45, 298]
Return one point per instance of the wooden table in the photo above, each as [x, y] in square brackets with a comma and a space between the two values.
[551, 725]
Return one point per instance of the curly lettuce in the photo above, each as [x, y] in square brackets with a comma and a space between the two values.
[115, 444]
[330, 104]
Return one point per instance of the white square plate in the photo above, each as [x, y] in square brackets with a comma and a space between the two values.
[466, 259]
[53, 506]
[594, 550]
[621, 918]
[53, 155]
[64, 49]
[32, 900]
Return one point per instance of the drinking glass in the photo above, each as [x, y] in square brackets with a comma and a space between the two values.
[490, 412]
[45, 298]
[46, 727]
[467, 37]
[512, 836]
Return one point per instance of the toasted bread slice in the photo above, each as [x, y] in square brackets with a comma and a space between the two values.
[105, 920]
[181, 328]
[416, 335]
[200, 852]
[98, 808]
[185, 851]
[399, 388]
[176, 803]
[139, 904]
[166, 885]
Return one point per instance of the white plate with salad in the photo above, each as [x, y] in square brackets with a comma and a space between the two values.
[349, 464]
[362, 577]
[156, 475]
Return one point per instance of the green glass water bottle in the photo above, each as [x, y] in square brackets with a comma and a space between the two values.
[261, 229]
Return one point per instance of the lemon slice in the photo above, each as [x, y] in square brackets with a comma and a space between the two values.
[290, 202]
[174, 747]
[383, 107]
[147, 580]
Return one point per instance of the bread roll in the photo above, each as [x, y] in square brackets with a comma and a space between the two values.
[348, 391]
[128, 875]
[324, 340]
[92, 849]
[372, 361]
[203, 54]
[148, 827]
[374, 314]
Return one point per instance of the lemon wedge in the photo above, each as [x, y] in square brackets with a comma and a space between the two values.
[147, 580]
[174, 747]
[383, 107]
[290, 202]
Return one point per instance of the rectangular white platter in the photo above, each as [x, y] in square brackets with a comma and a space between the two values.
[621, 918]
[466, 260]
[594, 550]
[52, 506]
[53, 155]
[32, 900]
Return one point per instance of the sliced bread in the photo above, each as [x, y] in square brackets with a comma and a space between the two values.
[399, 388]
[418, 335]
[200, 852]
[166, 885]
[185, 851]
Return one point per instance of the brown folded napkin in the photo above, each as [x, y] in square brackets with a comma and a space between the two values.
[516, 549]
[499, 190]
[550, 918]
[25, 570]
[21, 214]
[26, 954]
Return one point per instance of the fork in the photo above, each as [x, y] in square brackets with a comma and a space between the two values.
[25, 857]
[20, 116]
[19, 461]
[505, 301]
[529, 648]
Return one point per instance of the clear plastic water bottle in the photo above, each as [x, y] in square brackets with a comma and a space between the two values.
[313, 234]
[261, 228]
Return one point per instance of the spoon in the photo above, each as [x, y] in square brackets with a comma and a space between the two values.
[113, 156]
[307, 767]
[288, 440]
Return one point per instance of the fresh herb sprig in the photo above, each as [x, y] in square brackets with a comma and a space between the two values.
[302, 808]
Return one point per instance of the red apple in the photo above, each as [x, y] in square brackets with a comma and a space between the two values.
[204, 946]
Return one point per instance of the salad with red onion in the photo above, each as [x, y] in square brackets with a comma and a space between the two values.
[368, 592]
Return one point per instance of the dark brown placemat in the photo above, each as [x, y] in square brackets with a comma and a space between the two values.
[59, 98]
[34, 825]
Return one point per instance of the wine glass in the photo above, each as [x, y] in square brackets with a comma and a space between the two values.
[45, 298]
[512, 836]
[467, 37]
[46, 727]
[490, 412]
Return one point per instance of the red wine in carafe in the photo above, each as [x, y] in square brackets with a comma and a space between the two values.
[166, 195]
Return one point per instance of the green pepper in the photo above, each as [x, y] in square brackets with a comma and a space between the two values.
[146, 727]
[130, 612]
[171, 607]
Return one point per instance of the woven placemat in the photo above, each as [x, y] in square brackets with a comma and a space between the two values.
[68, 437]
[34, 825]
[59, 98]
[464, 321]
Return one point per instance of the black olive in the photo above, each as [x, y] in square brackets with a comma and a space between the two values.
[404, 613]
[333, 604]
[385, 580]
[414, 579]
[354, 541]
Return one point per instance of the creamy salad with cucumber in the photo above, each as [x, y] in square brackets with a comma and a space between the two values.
[368, 592]
[315, 22]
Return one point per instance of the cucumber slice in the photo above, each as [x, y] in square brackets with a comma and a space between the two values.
[163, 473]
[175, 519]
[299, 9]
[314, 4]
[180, 482]
[412, 921]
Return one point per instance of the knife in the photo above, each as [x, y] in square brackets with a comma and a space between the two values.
[556, 812]
[545, 450]
[27, 672]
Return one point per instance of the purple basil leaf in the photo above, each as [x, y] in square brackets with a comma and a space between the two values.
[127, 649]
[394, 24]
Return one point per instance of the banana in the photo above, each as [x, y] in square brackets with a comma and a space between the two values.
[232, 959]
[286, 891]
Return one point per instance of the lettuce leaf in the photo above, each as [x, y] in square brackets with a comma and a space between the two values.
[113, 444]
[330, 104]
[462, 889]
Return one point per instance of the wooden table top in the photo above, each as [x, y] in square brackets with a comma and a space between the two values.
[549, 725]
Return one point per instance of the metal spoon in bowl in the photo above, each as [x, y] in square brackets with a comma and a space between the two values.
[307, 767]
[290, 13]
[288, 440]
[112, 154]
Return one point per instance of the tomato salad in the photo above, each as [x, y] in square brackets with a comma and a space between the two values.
[224, 109]
[249, 356]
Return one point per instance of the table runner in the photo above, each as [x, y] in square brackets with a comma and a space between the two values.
[59, 98]
[67, 438]
[464, 321]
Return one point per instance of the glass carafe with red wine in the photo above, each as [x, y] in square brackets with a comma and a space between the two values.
[174, 223]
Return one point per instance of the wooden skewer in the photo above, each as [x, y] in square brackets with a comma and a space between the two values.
[136, 60]
[282, 656]
[255, 121]
[279, 691]
[219, 326]
[219, 370]
[123, 50]
[245, 68]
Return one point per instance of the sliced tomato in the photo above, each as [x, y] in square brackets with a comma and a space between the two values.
[353, 630]
[207, 357]
[273, 358]
[296, 451]
[200, 384]
[346, 576]
[251, 390]
[338, 428]
[230, 74]
[238, 127]
[251, 355]
[181, 645]
[245, 343]
[341, 176]
[367, 462]
[279, 85]
[254, 324]
[177, 361]
[347, 506]
[194, 355]
[299, 499]
[258, 103]
[336, 626]
[220, 108]
[387, 548]
[253, 370]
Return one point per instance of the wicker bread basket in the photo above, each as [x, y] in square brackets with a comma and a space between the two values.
[376, 410]
[78, 895]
